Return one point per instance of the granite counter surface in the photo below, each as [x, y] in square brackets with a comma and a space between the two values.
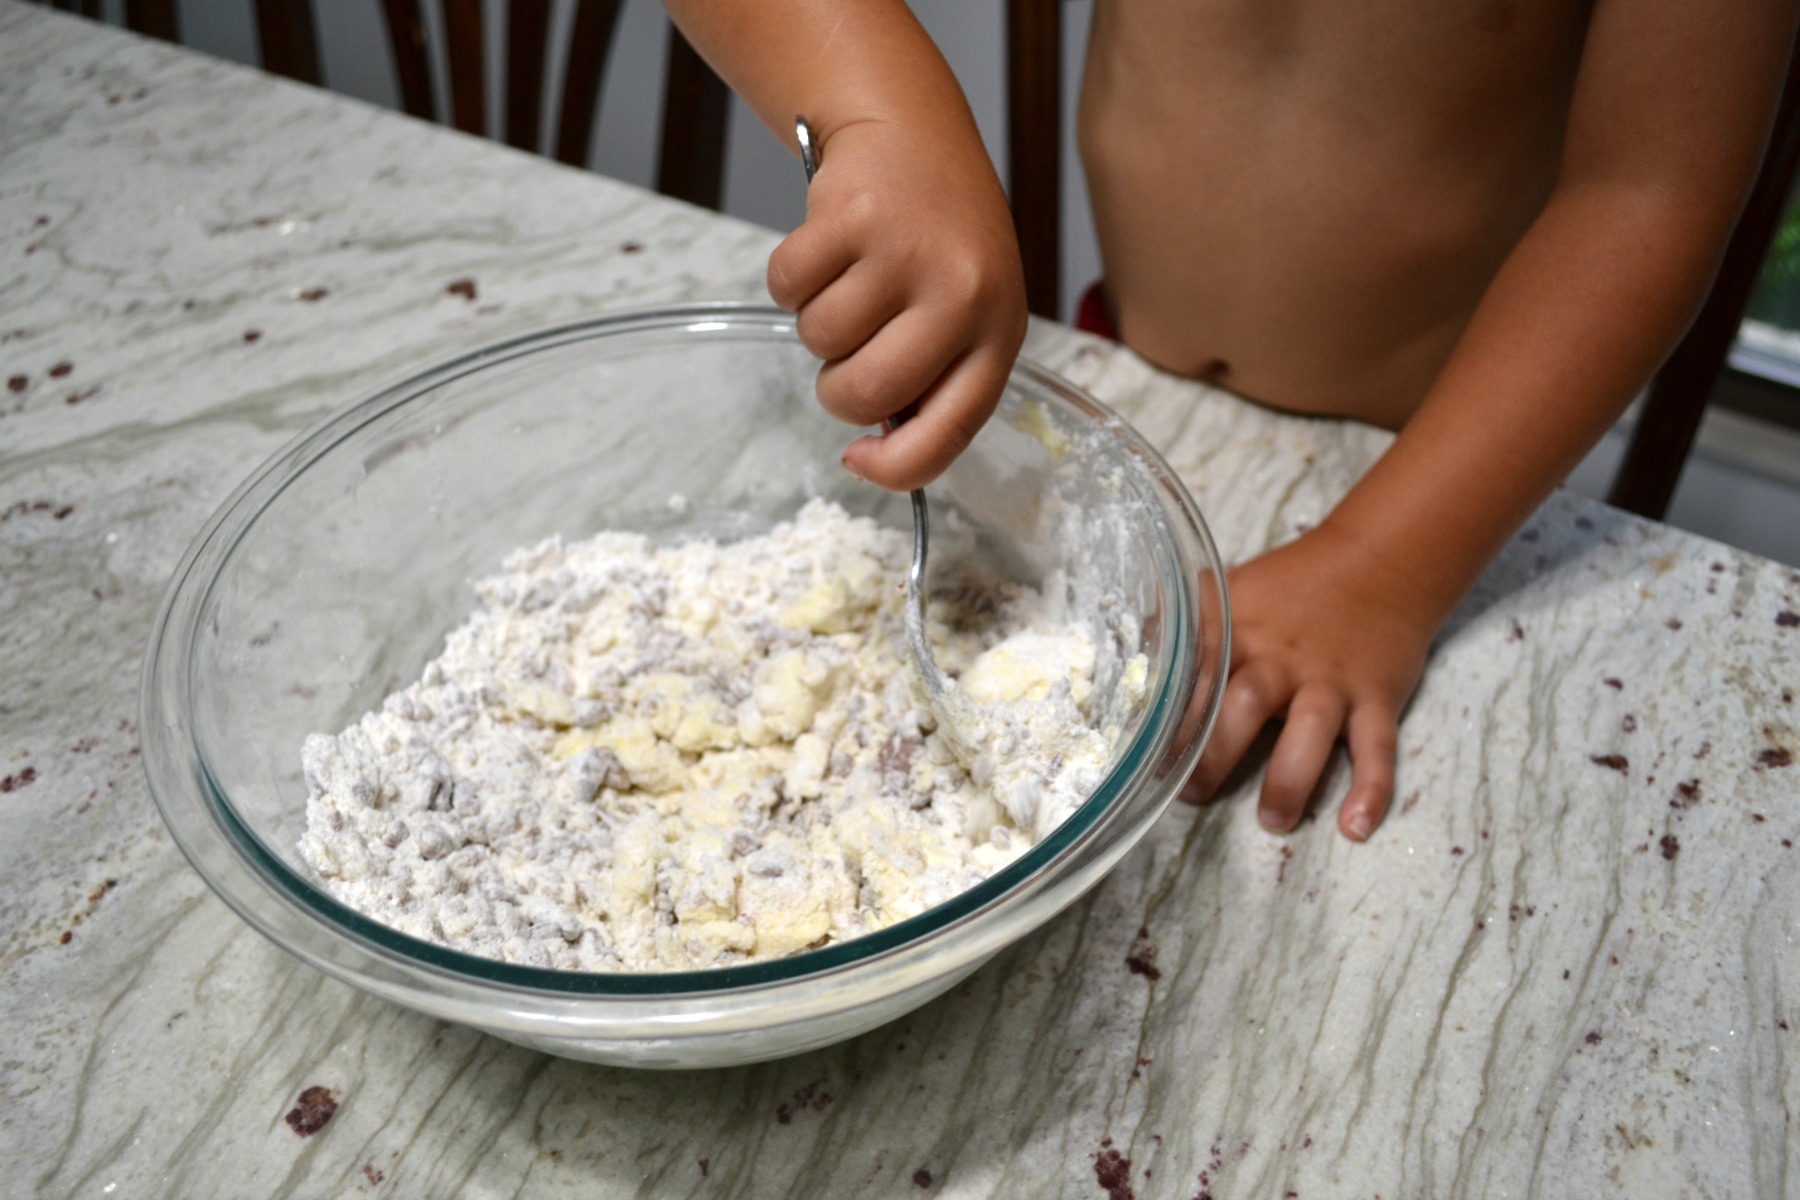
[1566, 966]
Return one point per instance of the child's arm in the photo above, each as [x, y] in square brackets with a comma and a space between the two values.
[1667, 125]
[906, 273]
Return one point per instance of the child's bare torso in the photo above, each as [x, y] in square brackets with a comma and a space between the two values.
[1304, 200]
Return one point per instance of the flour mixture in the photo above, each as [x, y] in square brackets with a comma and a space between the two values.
[636, 757]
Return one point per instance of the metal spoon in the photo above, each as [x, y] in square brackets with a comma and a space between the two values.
[955, 713]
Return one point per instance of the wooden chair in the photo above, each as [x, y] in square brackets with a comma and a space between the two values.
[696, 102]
[1670, 415]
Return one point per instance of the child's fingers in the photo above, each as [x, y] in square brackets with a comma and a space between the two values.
[850, 310]
[905, 359]
[1374, 736]
[1314, 719]
[1252, 697]
[950, 414]
[807, 260]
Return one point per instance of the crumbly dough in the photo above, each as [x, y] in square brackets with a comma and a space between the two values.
[636, 757]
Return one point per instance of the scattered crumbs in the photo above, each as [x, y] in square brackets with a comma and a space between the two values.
[1704, 750]
[313, 1111]
[1287, 856]
[1687, 794]
[1516, 633]
[1774, 756]
[1787, 618]
[1617, 685]
[80, 394]
[1782, 1025]
[1629, 724]
[1718, 566]
[1565, 972]
[1593, 1037]
[1113, 1172]
[922, 1178]
[252, 335]
[1141, 958]
[1455, 850]
[1787, 843]
[67, 936]
[1787, 695]
[1617, 762]
[1673, 622]
[1411, 800]
[464, 288]
[1671, 846]
[1615, 960]
[13, 783]
[1758, 818]
[64, 367]
[631, 248]
[1480, 924]
[373, 1175]
[313, 295]
[705, 1167]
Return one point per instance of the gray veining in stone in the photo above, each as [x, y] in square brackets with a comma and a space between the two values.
[1566, 966]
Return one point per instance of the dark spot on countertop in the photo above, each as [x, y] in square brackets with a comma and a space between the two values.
[1629, 723]
[252, 335]
[67, 936]
[705, 1167]
[1673, 622]
[1113, 1172]
[1140, 959]
[373, 1175]
[464, 288]
[1671, 846]
[1787, 618]
[1687, 794]
[18, 383]
[1516, 633]
[1615, 684]
[80, 394]
[13, 783]
[632, 248]
[922, 1178]
[1593, 1038]
[1616, 762]
[312, 1111]
[1774, 756]
[61, 369]
[313, 295]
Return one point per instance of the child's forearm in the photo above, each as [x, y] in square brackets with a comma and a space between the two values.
[836, 63]
[1594, 296]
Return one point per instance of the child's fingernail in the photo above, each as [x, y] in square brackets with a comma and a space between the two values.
[1271, 820]
[851, 467]
[1360, 826]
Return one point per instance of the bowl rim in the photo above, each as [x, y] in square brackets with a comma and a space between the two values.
[247, 874]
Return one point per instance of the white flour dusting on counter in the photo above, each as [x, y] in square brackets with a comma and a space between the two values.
[641, 757]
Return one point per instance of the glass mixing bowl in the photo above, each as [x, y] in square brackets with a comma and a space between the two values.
[330, 577]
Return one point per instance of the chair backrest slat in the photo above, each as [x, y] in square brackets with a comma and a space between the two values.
[290, 47]
[1034, 144]
[696, 104]
[412, 65]
[590, 40]
[527, 34]
[468, 65]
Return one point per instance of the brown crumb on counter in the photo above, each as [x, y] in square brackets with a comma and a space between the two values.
[1141, 958]
[1774, 756]
[1787, 618]
[1617, 762]
[922, 1178]
[464, 288]
[313, 1111]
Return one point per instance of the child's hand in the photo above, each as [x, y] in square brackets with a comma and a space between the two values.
[907, 282]
[1324, 641]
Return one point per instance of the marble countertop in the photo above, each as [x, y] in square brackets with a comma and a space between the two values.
[1566, 966]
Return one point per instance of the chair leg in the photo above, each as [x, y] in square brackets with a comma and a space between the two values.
[1671, 413]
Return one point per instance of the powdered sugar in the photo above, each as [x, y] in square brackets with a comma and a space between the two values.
[636, 757]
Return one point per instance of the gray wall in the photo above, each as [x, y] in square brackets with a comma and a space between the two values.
[762, 182]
